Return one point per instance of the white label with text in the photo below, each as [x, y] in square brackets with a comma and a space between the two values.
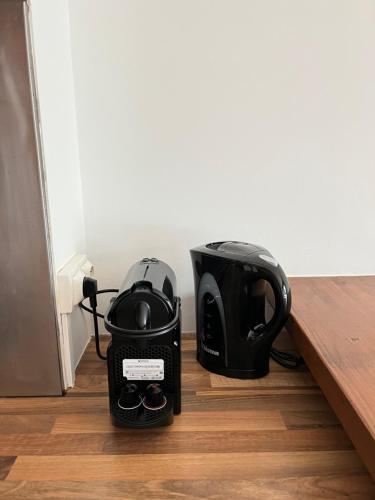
[143, 369]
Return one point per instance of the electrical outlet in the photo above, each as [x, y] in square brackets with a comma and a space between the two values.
[70, 281]
[77, 285]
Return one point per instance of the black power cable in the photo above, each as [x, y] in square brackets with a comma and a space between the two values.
[286, 359]
[91, 294]
[87, 309]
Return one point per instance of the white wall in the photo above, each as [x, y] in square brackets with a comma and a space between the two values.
[53, 65]
[205, 120]
[53, 61]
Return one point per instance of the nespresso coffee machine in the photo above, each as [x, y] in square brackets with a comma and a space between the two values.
[144, 355]
[242, 302]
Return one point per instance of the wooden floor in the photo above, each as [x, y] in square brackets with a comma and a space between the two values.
[272, 438]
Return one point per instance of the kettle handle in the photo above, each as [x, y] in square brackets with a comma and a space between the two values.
[283, 299]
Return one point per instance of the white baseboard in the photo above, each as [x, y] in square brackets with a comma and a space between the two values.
[68, 375]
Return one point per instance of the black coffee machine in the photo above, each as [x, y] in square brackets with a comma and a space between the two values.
[242, 302]
[144, 355]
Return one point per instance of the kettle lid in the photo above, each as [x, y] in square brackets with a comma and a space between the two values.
[235, 247]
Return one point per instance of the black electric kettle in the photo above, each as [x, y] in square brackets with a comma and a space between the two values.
[242, 302]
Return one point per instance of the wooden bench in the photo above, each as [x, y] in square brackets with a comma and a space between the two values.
[333, 325]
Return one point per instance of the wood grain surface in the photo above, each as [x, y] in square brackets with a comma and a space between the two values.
[333, 325]
[329, 487]
[250, 420]
[278, 440]
[189, 466]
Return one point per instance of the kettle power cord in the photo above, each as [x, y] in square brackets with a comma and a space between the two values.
[286, 359]
[90, 291]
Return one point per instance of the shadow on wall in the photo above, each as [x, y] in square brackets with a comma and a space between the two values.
[188, 305]
[78, 339]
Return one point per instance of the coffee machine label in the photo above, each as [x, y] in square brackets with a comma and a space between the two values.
[143, 369]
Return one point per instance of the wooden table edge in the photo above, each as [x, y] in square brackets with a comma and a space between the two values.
[354, 426]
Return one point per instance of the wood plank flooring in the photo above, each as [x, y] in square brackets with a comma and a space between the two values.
[273, 438]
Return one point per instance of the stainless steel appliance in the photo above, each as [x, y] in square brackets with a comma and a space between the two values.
[29, 354]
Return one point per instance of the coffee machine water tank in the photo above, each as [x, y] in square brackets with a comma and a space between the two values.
[242, 302]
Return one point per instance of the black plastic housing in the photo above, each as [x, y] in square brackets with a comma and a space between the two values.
[144, 320]
[242, 302]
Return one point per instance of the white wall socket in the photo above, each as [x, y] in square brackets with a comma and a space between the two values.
[70, 282]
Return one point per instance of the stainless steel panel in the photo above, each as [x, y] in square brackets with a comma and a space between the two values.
[29, 356]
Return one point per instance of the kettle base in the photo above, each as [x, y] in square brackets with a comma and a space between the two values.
[232, 372]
